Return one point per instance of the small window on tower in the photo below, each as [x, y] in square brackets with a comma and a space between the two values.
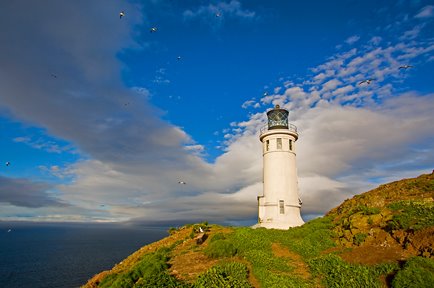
[290, 144]
[267, 145]
[282, 207]
[279, 143]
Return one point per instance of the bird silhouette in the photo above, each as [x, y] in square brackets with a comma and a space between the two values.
[8, 163]
[218, 14]
[153, 29]
[405, 66]
[178, 58]
[182, 182]
[121, 14]
[367, 81]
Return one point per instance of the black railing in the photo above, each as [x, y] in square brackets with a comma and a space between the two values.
[291, 127]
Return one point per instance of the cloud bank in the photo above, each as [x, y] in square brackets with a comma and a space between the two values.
[351, 136]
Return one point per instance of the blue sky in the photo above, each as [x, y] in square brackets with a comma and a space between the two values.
[100, 119]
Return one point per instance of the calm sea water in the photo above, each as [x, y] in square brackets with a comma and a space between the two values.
[57, 256]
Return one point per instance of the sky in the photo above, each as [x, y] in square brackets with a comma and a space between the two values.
[100, 117]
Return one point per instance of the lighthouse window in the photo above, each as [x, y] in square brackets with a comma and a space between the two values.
[267, 145]
[282, 207]
[279, 143]
[290, 144]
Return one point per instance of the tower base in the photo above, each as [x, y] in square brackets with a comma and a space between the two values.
[279, 225]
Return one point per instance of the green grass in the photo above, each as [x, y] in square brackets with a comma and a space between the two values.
[413, 215]
[220, 248]
[308, 241]
[230, 274]
[150, 271]
[334, 272]
[417, 272]
[359, 238]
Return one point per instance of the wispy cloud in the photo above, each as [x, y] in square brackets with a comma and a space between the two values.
[426, 12]
[161, 77]
[44, 144]
[222, 9]
[353, 39]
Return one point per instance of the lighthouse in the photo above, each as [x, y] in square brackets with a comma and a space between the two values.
[279, 206]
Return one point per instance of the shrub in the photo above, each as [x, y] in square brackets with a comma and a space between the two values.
[412, 215]
[150, 271]
[359, 238]
[220, 248]
[231, 274]
[417, 272]
[172, 230]
[370, 210]
[337, 273]
[218, 236]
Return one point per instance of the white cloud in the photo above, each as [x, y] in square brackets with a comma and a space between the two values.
[353, 39]
[225, 9]
[426, 12]
[411, 34]
[250, 103]
[349, 134]
[44, 144]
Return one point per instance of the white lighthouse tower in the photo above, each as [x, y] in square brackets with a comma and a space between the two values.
[280, 204]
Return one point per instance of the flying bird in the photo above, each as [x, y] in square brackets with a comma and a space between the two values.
[218, 14]
[9, 230]
[182, 182]
[265, 93]
[121, 14]
[53, 75]
[367, 81]
[8, 163]
[178, 58]
[153, 29]
[405, 66]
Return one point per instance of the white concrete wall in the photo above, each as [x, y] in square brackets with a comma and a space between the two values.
[280, 181]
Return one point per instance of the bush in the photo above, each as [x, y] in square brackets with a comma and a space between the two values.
[337, 273]
[412, 215]
[359, 238]
[218, 236]
[150, 271]
[231, 274]
[417, 272]
[220, 248]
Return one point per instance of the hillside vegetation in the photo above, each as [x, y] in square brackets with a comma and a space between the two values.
[382, 238]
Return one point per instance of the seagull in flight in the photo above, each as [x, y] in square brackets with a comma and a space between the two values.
[8, 163]
[178, 58]
[367, 81]
[9, 230]
[53, 75]
[153, 29]
[405, 66]
[265, 93]
[218, 14]
[121, 14]
[182, 182]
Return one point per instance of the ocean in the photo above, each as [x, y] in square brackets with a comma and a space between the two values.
[65, 255]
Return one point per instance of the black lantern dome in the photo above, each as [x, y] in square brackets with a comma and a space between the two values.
[277, 118]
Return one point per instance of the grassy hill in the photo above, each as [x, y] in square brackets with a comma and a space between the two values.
[382, 238]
